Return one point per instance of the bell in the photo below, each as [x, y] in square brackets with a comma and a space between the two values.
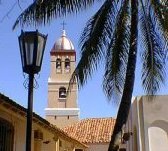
[63, 94]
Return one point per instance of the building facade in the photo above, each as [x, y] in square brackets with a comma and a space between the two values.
[45, 136]
[147, 125]
[62, 107]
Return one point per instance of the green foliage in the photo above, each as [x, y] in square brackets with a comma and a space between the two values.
[44, 11]
[93, 42]
[117, 53]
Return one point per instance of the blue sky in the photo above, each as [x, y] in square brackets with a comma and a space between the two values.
[91, 99]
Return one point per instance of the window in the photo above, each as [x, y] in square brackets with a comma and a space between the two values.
[67, 64]
[6, 135]
[122, 149]
[58, 63]
[62, 92]
[38, 137]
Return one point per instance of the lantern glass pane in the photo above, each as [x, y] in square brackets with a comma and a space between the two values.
[40, 50]
[21, 51]
[29, 48]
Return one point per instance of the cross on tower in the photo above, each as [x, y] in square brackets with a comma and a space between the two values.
[63, 25]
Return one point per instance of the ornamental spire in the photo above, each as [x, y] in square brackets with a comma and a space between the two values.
[63, 29]
[63, 25]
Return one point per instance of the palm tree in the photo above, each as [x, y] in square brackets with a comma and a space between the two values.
[114, 35]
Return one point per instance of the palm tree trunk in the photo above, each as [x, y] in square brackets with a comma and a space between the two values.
[129, 79]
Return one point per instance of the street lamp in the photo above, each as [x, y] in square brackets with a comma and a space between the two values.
[32, 45]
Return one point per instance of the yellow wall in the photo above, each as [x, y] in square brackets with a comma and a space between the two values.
[49, 143]
[98, 146]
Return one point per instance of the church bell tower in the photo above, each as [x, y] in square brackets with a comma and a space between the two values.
[62, 109]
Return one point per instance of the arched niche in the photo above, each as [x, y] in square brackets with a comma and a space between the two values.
[158, 136]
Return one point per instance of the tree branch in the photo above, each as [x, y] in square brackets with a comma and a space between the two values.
[17, 2]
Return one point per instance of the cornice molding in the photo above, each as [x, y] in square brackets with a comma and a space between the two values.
[62, 111]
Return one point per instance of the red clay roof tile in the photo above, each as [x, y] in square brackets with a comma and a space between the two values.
[94, 130]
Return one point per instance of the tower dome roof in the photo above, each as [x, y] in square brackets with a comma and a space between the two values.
[63, 43]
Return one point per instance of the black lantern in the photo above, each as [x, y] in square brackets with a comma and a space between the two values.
[32, 46]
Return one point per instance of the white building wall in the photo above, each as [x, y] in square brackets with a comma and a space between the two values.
[158, 139]
[149, 124]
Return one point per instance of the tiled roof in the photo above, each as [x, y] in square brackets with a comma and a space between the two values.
[94, 130]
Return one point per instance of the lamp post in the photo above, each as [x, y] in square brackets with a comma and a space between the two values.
[32, 45]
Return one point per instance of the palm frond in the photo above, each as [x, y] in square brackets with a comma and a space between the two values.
[153, 56]
[93, 42]
[117, 54]
[44, 11]
[161, 12]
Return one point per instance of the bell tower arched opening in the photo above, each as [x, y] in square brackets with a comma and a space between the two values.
[62, 92]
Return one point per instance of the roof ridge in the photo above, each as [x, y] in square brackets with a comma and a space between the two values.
[98, 118]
